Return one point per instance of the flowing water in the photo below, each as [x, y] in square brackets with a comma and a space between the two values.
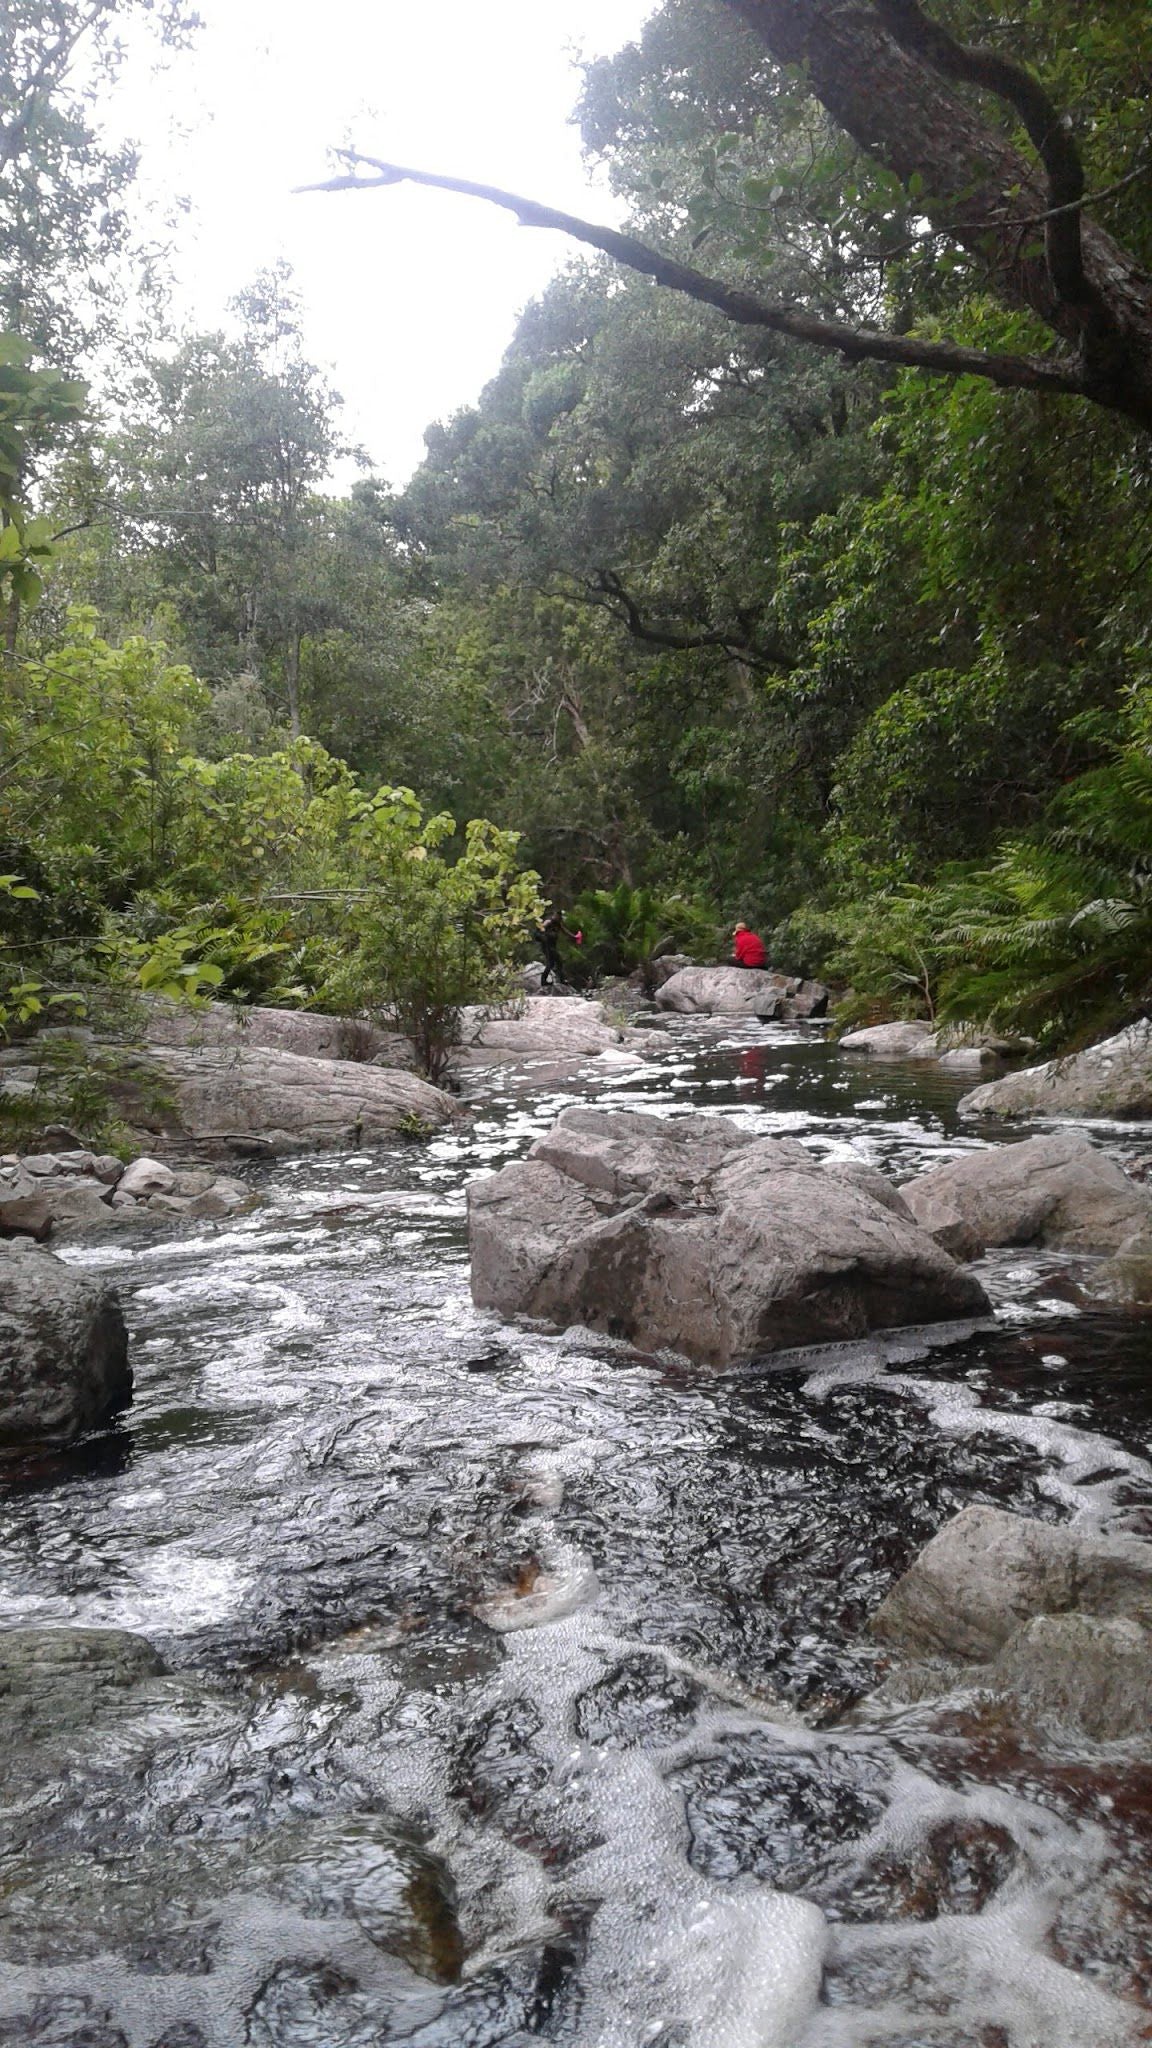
[512, 1679]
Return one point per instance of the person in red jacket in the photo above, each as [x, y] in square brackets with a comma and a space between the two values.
[748, 948]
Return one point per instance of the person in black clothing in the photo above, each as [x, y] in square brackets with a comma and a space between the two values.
[548, 932]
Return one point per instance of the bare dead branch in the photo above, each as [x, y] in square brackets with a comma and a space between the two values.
[1053, 374]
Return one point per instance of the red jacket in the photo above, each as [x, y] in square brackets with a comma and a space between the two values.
[748, 949]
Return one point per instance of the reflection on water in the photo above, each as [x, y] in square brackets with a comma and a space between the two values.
[512, 1674]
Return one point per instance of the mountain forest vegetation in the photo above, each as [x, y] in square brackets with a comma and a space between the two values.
[795, 566]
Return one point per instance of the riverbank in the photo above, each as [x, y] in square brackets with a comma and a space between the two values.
[340, 1487]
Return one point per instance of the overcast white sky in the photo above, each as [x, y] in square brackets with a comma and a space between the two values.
[410, 297]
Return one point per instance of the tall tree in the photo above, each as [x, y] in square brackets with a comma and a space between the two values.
[214, 480]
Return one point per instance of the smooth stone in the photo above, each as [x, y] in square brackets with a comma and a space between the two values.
[1056, 1190]
[727, 991]
[147, 1177]
[901, 1041]
[235, 1100]
[260, 1028]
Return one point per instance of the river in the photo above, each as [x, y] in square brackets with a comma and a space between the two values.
[515, 1683]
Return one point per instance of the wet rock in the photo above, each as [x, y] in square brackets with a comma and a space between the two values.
[57, 1680]
[902, 1041]
[63, 1348]
[988, 1572]
[223, 1198]
[741, 992]
[62, 2020]
[685, 1234]
[1088, 1672]
[234, 1100]
[26, 1216]
[147, 1177]
[1056, 1190]
[1113, 1078]
[784, 1816]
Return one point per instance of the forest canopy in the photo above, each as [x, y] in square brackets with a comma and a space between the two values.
[744, 616]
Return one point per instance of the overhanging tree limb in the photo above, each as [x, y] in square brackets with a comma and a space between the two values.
[858, 344]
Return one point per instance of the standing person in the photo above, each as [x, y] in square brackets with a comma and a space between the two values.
[548, 931]
[748, 948]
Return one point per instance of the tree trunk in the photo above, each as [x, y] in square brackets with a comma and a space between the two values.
[292, 679]
[893, 100]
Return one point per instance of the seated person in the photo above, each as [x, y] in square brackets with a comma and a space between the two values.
[748, 948]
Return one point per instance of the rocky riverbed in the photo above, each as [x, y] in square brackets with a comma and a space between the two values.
[392, 1671]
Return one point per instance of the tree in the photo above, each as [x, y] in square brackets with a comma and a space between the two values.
[65, 226]
[214, 483]
[1004, 183]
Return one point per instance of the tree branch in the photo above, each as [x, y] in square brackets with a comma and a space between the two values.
[607, 593]
[944, 358]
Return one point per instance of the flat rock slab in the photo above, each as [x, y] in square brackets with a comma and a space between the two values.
[63, 1349]
[1112, 1079]
[226, 1100]
[689, 1234]
[742, 992]
[1057, 1190]
[259, 1028]
[987, 1573]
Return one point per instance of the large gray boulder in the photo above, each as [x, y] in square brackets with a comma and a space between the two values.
[220, 1100]
[742, 992]
[690, 1234]
[1111, 1079]
[63, 1348]
[1055, 1190]
[987, 1573]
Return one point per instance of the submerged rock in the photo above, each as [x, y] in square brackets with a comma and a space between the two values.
[1113, 1078]
[63, 1349]
[742, 992]
[987, 1572]
[1056, 1190]
[690, 1234]
[1126, 1278]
